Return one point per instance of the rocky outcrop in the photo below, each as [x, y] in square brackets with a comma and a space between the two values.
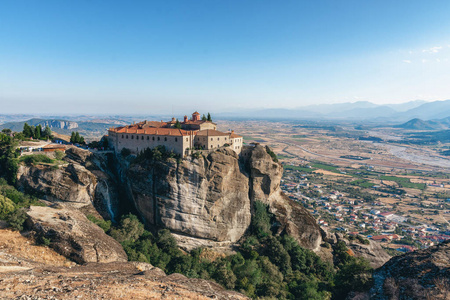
[72, 235]
[203, 201]
[71, 183]
[210, 198]
[78, 183]
[29, 271]
[415, 275]
[205, 198]
[372, 252]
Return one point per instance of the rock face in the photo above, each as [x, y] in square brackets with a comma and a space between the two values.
[210, 198]
[206, 198]
[72, 235]
[414, 275]
[203, 201]
[79, 183]
[372, 252]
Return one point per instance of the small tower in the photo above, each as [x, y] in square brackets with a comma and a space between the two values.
[196, 116]
[185, 119]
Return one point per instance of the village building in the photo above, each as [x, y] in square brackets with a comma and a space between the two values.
[179, 137]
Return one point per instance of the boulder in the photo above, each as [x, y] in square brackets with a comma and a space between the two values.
[72, 235]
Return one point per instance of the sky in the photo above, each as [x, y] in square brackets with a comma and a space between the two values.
[128, 57]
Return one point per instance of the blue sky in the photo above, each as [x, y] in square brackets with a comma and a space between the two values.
[155, 56]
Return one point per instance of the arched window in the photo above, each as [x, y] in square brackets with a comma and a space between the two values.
[158, 138]
[148, 138]
[153, 138]
[165, 139]
[142, 137]
[176, 139]
[132, 137]
[127, 135]
[122, 135]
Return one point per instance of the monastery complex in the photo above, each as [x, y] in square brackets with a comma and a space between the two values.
[178, 137]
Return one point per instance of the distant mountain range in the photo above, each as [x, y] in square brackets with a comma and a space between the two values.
[357, 111]
[418, 124]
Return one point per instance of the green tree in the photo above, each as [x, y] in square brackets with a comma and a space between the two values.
[209, 117]
[38, 132]
[27, 130]
[204, 118]
[130, 229]
[47, 132]
[178, 124]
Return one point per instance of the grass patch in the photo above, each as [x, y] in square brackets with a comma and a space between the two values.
[326, 167]
[362, 183]
[299, 136]
[281, 156]
[39, 159]
[297, 168]
[404, 182]
[248, 138]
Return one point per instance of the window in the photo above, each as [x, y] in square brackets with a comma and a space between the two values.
[158, 138]
[225, 139]
[211, 146]
[132, 137]
[127, 135]
[142, 137]
[187, 139]
[153, 138]
[148, 137]
[217, 138]
[165, 139]
[211, 139]
[122, 135]
[176, 139]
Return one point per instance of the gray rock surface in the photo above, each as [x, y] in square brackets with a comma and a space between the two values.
[373, 252]
[414, 275]
[72, 235]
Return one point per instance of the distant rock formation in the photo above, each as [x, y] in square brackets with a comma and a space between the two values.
[415, 275]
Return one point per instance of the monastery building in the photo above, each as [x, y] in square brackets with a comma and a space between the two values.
[176, 136]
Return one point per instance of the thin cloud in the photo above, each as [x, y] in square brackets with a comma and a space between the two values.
[432, 49]
[406, 61]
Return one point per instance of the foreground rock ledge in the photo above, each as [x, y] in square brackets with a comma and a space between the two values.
[108, 281]
[72, 235]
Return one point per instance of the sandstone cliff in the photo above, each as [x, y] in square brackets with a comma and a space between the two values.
[84, 180]
[205, 201]
[210, 198]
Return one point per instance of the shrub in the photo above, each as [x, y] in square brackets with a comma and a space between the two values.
[16, 219]
[105, 225]
[272, 154]
[6, 207]
[35, 159]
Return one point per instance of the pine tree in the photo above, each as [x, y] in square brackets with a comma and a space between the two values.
[72, 138]
[37, 132]
[77, 137]
[178, 124]
[27, 130]
[204, 117]
[47, 132]
[209, 117]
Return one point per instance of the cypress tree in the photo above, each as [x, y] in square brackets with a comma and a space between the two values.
[209, 117]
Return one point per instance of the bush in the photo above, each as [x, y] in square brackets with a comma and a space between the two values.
[59, 155]
[105, 225]
[16, 219]
[6, 207]
[272, 154]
